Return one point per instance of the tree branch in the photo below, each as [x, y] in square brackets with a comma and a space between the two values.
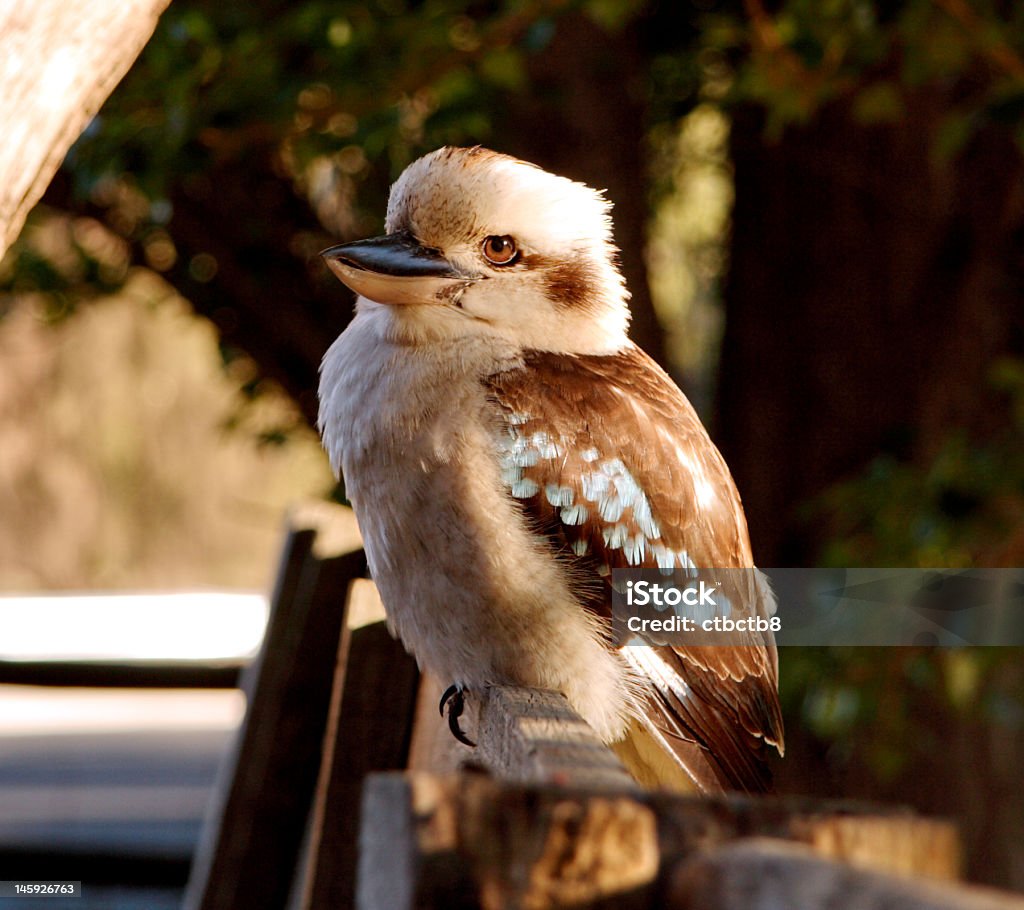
[59, 60]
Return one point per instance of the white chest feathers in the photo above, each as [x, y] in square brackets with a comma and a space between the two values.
[473, 592]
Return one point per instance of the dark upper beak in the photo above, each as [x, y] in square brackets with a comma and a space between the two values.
[396, 269]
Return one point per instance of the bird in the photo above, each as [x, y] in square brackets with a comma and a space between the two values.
[506, 448]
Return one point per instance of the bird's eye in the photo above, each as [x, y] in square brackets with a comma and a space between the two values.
[500, 250]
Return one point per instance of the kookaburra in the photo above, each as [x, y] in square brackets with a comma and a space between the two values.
[505, 446]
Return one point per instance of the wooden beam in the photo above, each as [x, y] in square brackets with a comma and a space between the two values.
[764, 874]
[534, 735]
[472, 841]
[885, 838]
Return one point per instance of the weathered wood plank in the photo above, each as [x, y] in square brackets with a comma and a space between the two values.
[472, 841]
[891, 839]
[764, 874]
[534, 735]
[252, 837]
[413, 844]
[373, 704]
[467, 841]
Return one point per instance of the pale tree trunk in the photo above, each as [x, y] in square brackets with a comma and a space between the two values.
[59, 60]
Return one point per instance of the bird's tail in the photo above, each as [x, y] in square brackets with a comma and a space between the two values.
[654, 763]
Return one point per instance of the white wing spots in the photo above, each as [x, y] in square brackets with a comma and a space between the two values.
[523, 456]
[668, 560]
[523, 451]
[524, 488]
[559, 496]
[612, 489]
[644, 520]
[544, 445]
[633, 549]
[615, 536]
[595, 486]
[612, 467]
[665, 558]
[628, 489]
[605, 489]
[516, 419]
[651, 665]
[610, 508]
[511, 474]
[575, 515]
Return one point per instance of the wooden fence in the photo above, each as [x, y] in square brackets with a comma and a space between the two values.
[346, 790]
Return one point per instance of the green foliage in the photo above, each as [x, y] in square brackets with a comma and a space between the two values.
[340, 95]
[887, 712]
[885, 58]
[367, 86]
[963, 508]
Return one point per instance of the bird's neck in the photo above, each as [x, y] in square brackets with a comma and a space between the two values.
[431, 338]
[447, 332]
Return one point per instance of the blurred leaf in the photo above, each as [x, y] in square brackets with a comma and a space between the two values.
[503, 67]
[964, 508]
[953, 134]
[963, 677]
[880, 102]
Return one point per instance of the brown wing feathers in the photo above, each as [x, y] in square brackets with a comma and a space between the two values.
[609, 460]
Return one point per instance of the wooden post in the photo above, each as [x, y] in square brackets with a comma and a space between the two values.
[472, 841]
[252, 837]
[369, 729]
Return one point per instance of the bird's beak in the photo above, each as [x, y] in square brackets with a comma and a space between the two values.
[397, 269]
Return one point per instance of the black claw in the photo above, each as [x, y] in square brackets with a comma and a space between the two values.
[453, 694]
[450, 692]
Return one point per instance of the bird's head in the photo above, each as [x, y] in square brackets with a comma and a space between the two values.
[479, 243]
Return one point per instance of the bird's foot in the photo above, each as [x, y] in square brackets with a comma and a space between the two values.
[454, 698]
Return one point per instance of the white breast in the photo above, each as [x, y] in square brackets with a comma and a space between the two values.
[473, 593]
